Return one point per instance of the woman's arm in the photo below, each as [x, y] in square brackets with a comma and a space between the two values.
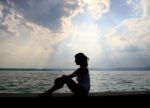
[74, 74]
[78, 72]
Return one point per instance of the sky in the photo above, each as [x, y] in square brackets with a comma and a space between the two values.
[48, 33]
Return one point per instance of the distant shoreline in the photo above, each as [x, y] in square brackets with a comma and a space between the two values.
[63, 69]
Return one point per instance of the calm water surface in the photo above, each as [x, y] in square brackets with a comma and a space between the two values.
[101, 81]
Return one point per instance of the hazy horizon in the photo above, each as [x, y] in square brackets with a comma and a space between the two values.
[47, 33]
[71, 69]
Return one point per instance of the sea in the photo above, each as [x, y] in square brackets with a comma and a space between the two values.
[101, 81]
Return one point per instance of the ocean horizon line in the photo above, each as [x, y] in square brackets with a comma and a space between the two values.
[71, 69]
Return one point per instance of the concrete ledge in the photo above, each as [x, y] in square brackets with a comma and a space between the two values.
[67, 99]
[92, 94]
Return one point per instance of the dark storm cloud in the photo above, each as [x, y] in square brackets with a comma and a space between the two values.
[47, 13]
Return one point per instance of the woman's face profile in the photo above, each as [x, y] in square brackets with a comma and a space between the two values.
[76, 61]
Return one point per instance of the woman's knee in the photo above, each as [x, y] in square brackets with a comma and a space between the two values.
[70, 81]
[59, 82]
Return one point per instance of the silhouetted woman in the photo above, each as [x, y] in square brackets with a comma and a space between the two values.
[79, 88]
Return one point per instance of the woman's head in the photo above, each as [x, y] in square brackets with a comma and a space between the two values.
[81, 59]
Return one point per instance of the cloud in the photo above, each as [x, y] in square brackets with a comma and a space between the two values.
[25, 43]
[84, 38]
[1, 8]
[130, 32]
[80, 38]
[96, 8]
[19, 55]
[146, 8]
[47, 13]
[142, 7]
[31, 40]
[129, 42]
[28, 48]
[31, 48]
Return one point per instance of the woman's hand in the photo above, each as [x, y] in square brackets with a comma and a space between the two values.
[63, 76]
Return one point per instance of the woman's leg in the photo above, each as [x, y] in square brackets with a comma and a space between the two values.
[72, 85]
[58, 83]
[75, 88]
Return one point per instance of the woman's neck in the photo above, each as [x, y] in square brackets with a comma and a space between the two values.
[83, 66]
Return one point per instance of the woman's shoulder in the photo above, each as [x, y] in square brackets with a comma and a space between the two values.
[83, 69]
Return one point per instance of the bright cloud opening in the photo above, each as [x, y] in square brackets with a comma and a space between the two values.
[85, 39]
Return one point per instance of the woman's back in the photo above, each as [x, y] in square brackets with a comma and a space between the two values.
[84, 78]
